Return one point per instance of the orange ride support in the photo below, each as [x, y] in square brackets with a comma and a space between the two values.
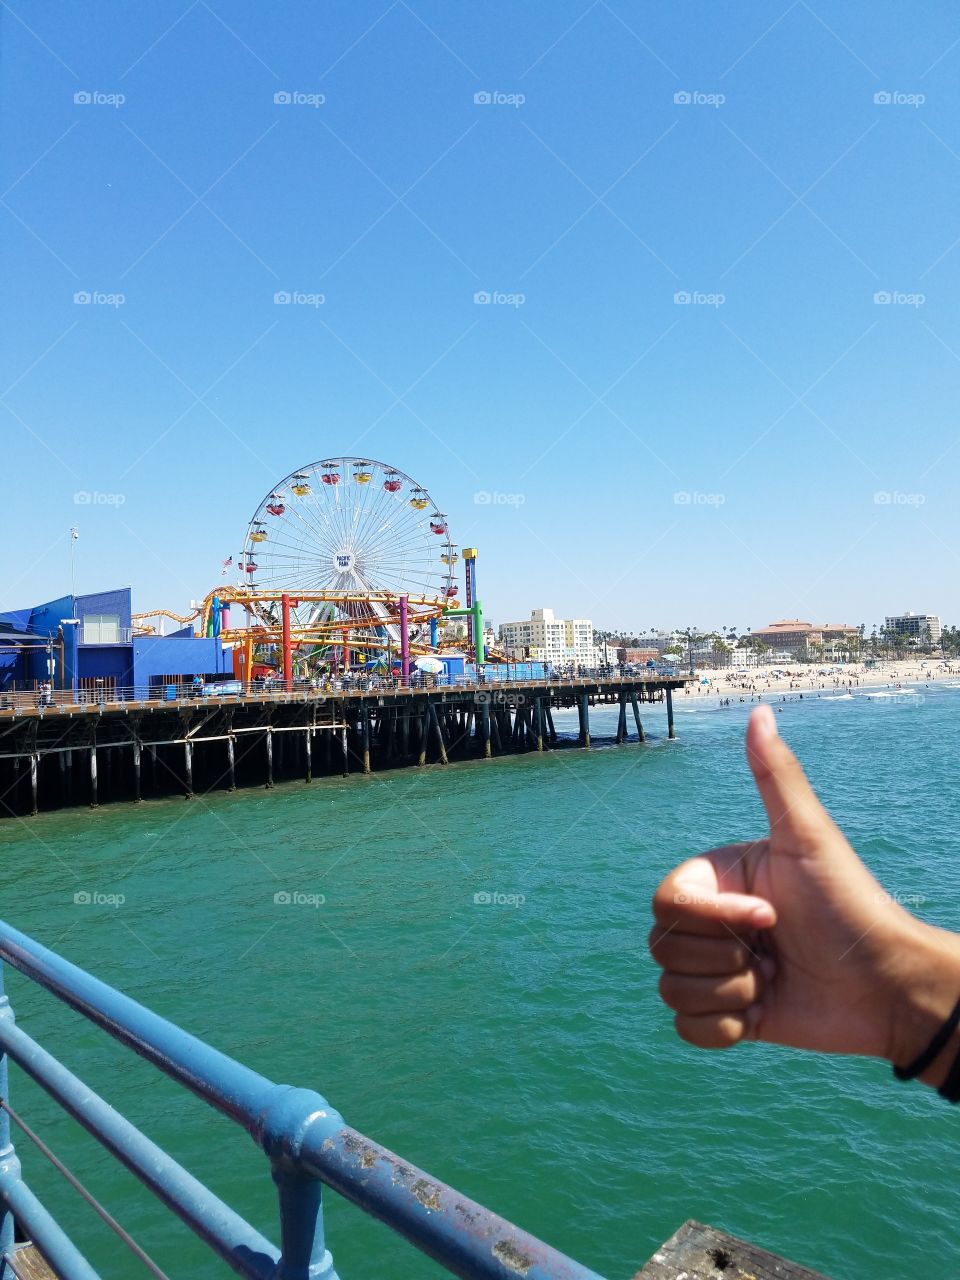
[285, 603]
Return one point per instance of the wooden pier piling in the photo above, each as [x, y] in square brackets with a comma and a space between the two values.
[188, 769]
[622, 720]
[636, 716]
[365, 736]
[585, 720]
[384, 728]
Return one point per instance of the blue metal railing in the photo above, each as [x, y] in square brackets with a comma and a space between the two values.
[306, 1141]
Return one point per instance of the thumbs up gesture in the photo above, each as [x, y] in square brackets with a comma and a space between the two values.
[790, 939]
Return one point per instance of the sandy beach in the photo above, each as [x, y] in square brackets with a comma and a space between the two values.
[760, 683]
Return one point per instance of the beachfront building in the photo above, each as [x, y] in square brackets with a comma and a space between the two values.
[792, 638]
[916, 628]
[630, 656]
[546, 638]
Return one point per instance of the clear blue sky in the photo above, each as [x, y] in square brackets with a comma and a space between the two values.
[781, 412]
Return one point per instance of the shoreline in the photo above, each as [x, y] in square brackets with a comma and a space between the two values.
[757, 685]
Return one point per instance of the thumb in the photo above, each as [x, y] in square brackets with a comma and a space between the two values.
[792, 806]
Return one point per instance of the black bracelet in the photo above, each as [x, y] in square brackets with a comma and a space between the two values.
[933, 1049]
[950, 1089]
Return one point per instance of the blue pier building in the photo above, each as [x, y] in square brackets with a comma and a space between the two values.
[87, 643]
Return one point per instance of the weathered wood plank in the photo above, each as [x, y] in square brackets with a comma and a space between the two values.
[28, 1264]
[696, 1252]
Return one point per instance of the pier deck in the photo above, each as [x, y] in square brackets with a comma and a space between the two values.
[67, 752]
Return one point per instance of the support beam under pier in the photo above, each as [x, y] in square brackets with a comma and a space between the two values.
[583, 708]
[636, 716]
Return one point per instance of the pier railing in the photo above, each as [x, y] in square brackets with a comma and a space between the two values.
[307, 1144]
[59, 700]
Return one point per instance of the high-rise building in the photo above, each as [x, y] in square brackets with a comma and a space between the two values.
[546, 638]
[923, 627]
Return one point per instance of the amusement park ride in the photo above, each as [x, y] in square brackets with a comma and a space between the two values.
[347, 563]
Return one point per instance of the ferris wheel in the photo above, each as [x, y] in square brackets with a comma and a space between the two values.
[353, 531]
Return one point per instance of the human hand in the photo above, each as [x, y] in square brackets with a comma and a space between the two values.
[791, 940]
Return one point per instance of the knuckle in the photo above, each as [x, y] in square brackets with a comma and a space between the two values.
[663, 901]
[738, 986]
[686, 1031]
[655, 940]
[671, 990]
[720, 1032]
[706, 1033]
[739, 957]
[729, 1031]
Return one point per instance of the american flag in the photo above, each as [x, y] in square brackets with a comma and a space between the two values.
[225, 566]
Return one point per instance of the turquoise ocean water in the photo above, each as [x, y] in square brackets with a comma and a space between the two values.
[519, 1052]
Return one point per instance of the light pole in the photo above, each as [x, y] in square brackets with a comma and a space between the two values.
[74, 535]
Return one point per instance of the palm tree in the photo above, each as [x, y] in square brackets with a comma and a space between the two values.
[721, 651]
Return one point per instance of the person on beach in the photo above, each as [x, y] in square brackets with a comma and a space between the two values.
[789, 939]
